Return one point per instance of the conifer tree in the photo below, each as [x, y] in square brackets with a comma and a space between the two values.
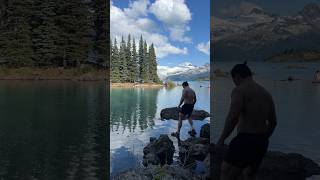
[44, 33]
[129, 60]
[153, 64]
[115, 68]
[134, 62]
[141, 59]
[123, 61]
[15, 33]
[100, 28]
[145, 69]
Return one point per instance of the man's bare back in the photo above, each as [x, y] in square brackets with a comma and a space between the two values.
[257, 108]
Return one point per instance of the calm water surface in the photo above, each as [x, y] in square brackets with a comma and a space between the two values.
[135, 117]
[297, 105]
[53, 130]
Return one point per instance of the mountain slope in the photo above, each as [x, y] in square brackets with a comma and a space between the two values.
[258, 34]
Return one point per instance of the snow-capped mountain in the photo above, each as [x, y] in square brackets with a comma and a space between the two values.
[256, 34]
[184, 71]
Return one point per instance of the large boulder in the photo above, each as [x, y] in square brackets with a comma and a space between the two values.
[275, 166]
[173, 113]
[194, 148]
[158, 151]
[156, 172]
[205, 131]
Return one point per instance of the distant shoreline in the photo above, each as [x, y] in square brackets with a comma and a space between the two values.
[76, 74]
[135, 85]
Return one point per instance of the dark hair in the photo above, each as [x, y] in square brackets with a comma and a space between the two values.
[185, 83]
[242, 70]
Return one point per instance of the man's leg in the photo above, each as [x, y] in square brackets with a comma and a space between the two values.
[190, 122]
[181, 117]
[229, 172]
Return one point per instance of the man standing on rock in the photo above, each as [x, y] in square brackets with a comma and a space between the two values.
[189, 99]
[252, 110]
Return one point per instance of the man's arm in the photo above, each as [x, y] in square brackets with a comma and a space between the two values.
[182, 98]
[233, 115]
[272, 120]
[195, 99]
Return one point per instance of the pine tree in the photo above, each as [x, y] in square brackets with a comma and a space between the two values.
[134, 62]
[129, 60]
[145, 69]
[44, 32]
[153, 65]
[141, 59]
[74, 42]
[100, 27]
[123, 61]
[15, 33]
[115, 68]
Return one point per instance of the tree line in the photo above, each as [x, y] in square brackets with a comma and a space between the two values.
[130, 63]
[42, 33]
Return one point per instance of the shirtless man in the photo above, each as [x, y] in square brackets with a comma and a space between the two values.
[253, 112]
[189, 99]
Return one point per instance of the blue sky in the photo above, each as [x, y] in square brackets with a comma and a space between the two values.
[179, 29]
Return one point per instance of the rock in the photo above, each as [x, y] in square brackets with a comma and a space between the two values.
[220, 73]
[158, 151]
[207, 166]
[293, 166]
[205, 131]
[276, 166]
[194, 148]
[173, 113]
[156, 172]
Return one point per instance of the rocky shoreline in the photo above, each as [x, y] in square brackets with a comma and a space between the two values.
[158, 161]
[135, 85]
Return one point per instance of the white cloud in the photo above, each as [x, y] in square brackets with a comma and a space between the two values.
[176, 15]
[165, 71]
[204, 47]
[133, 20]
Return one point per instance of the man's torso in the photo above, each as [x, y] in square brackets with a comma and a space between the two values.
[188, 95]
[256, 108]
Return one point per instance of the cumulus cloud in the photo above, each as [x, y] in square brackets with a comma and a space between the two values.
[175, 14]
[204, 47]
[134, 20]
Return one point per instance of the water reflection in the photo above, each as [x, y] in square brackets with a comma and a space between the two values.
[132, 109]
[53, 130]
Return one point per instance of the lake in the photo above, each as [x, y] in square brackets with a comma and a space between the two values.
[53, 130]
[297, 105]
[135, 117]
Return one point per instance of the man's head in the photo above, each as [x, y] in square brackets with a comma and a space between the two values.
[185, 84]
[240, 72]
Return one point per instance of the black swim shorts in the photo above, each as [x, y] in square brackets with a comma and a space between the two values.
[247, 150]
[187, 109]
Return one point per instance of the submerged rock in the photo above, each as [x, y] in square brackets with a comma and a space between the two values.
[275, 166]
[205, 131]
[158, 151]
[156, 172]
[173, 113]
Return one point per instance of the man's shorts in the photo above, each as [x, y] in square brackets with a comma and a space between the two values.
[247, 150]
[187, 109]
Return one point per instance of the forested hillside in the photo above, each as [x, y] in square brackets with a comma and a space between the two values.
[53, 33]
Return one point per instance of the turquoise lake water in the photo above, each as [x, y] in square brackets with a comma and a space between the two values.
[135, 117]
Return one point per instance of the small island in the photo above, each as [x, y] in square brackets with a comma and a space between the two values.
[132, 68]
[296, 56]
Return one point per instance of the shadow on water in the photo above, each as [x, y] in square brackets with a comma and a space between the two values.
[53, 130]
